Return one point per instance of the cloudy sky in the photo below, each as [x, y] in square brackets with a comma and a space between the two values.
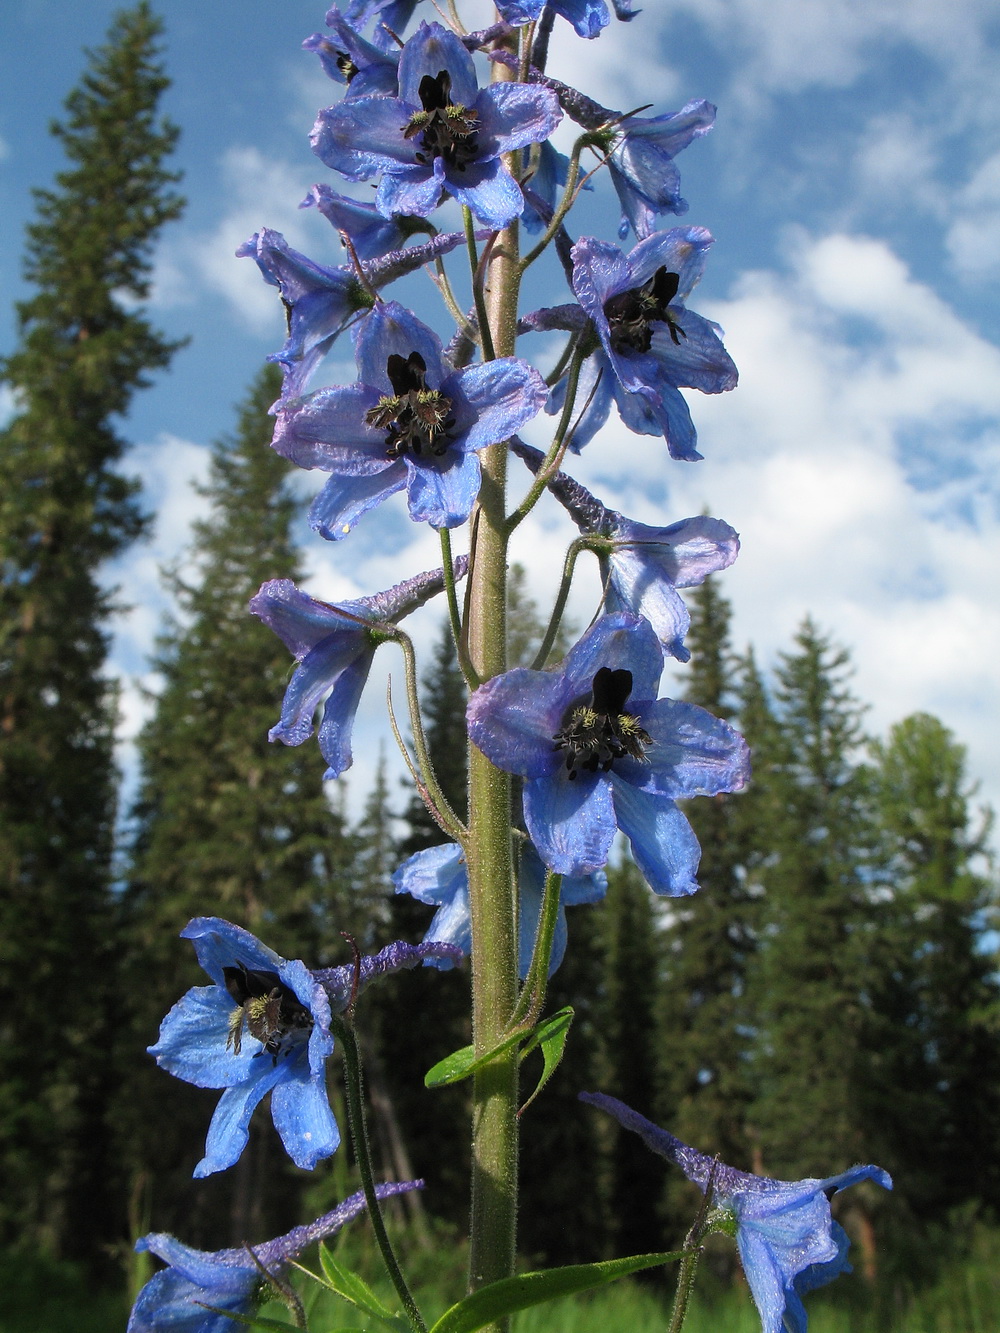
[853, 186]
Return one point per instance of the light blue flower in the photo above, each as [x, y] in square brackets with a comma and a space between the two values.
[442, 134]
[788, 1242]
[439, 876]
[598, 751]
[348, 59]
[334, 647]
[588, 17]
[174, 1300]
[409, 422]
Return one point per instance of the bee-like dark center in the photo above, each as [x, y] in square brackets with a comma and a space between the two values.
[631, 313]
[346, 65]
[446, 129]
[596, 733]
[415, 418]
[267, 1009]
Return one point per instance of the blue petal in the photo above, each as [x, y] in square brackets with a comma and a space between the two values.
[327, 430]
[527, 925]
[370, 233]
[693, 753]
[411, 190]
[431, 49]
[588, 17]
[572, 824]
[319, 671]
[218, 944]
[229, 1131]
[433, 875]
[490, 191]
[617, 641]
[337, 725]
[680, 250]
[514, 717]
[699, 360]
[343, 500]
[300, 1109]
[193, 1036]
[442, 496]
[391, 330]
[500, 396]
[169, 1303]
[593, 399]
[663, 843]
[359, 136]
[300, 621]
[637, 585]
[513, 115]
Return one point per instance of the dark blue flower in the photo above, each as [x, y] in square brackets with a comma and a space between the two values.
[588, 17]
[645, 565]
[789, 1243]
[410, 421]
[651, 344]
[439, 876]
[263, 1026]
[370, 233]
[174, 1300]
[334, 647]
[347, 58]
[442, 134]
[391, 16]
[598, 751]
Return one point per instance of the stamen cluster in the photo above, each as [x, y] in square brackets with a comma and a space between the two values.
[446, 129]
[266, 1008]
[416, 420]
[631, 313]
[595, 734]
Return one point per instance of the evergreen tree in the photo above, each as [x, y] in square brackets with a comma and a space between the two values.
[226, 825]
[930, 1067]
[705, 1091]
[84, 349]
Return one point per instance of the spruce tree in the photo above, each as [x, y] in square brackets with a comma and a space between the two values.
[226, 825]
[84, 349]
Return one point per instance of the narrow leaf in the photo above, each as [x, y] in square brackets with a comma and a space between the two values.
[506, 1297]
[551, 1037]
[251, 1321]
[460, 1064]
[356, 1290]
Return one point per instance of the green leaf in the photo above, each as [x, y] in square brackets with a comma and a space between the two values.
[252, 1321]
[511, 1294]
[356, 1290]
[551, 1037]
[460, 1064]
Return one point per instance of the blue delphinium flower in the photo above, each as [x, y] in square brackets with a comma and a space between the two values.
[652, 344]
[370, 233]
[263, 1026]
[598, 751]
[347, 58]
[588, 17]
[645, 565]
[391, 16]
[334, 647]
[788, 1242]
[174, 1300]
[410, 421]
[439, 876]
[442, 134]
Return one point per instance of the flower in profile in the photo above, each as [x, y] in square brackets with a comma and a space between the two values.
[645, 565]
[439, 876]
[174, 1300]
[788, 1242]
[334, 647]
[442, 134]
[410, 421]
[347, 58]
[598, 751]
[651, 344]
[588, 17]
[263, 1026]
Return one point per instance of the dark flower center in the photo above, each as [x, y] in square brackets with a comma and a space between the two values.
[416, 419]
[346, 65]
[596, 733]
[446, 130]
[631, 313]
[267, 1009]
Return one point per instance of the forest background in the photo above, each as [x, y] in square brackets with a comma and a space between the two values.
[834, 982]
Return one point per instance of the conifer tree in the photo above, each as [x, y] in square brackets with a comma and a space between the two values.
[226, 824]
[711, 936]
[85, 347]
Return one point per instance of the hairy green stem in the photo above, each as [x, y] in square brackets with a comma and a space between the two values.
[565, 204]
[478, 295]
[442, 810]
[362, 1152]
[529, 1006]
[454, 614]
[541, 657]
[560, 440]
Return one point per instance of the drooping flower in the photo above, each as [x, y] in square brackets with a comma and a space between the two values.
[588, 17]
[262, 1026]
[409, 421]
[598, 751]
[788, 1242]
[442, 134]
[370, 233]
[174, 1299]
[334, 647]
[347, 58]
[439, 876]
[645, 565]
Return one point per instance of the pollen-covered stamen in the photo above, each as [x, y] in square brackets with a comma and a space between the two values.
[267, 1009]
[596, 733]
[346, 65]
[631, 313]
[446, 129]
[417, 419]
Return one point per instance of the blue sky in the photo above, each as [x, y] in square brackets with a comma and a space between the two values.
[853, 186]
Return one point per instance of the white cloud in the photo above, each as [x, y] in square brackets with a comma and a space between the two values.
[973, 239]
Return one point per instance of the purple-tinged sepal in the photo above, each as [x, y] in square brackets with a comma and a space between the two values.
[334, 647]
[262, 1027]
[645, 565]
[439, 877]
[787, 1239]
[175, 1300]
[343, 983]
[598, 751]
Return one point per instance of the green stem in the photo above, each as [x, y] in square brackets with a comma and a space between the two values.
[565, 204]
[478, 295]
[552, 459]
[493, 1226]
[691, 1255]
[541, 657]
[529, 1006]
[362, 1152]
[442, 810]
[454, 614]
